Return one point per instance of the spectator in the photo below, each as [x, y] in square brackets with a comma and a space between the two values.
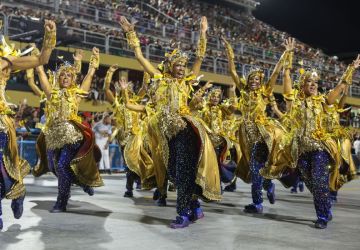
[102, 132]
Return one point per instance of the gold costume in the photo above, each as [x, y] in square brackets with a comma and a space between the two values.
[171, 111]
[306, 131]
[15, 167]
[221, 125]
[346, 170]
[256, 127]
[63, 126]
[132, 135]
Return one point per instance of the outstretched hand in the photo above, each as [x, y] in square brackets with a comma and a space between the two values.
[289, 44]
[356, 62]
[125, 25]
[123, 83]
[113, 67]
[78, 55]
[208, 85]
[204, 24]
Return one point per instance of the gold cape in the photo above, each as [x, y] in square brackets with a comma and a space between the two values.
[16, 167]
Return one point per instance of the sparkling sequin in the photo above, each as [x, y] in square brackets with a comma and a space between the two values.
[59, 162]
[259, 154]
[314, 169]
[60, 134]
[184, 154]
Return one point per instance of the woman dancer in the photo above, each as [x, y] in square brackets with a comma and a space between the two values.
[347, 170]
[260, 136]
[12, 168]
[127, 132]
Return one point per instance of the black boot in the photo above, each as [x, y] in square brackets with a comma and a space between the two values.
[60, 205]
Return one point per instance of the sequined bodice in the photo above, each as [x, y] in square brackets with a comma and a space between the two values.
[171, 94]
[311, 131]
[60, 110]
[253, 105]
[62, 106]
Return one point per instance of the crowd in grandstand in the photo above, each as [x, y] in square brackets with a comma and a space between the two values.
[238, 27]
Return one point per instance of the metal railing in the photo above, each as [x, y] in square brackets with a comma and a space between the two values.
[27, 151]
[118, 46]
[164, 32]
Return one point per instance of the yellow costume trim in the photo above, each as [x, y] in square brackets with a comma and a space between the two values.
[201, 48]
[348, 74]
[49, 41]
[132, 39]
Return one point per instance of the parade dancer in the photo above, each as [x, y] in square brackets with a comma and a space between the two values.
[313, 148]
[259, 136]
[12, 168]
[65, 146]
[127, 131]
[179, 144]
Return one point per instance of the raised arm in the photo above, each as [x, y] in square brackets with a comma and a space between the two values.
[78, 56]
[44, 81]
[201, 47]
[346, 79]
[31, 81]
[232, 68]
[109, 74]
[287, 62]
[32, 61]
[93, 66]
[134, 43]
[343, 98]
[134, 107]
[286, 58]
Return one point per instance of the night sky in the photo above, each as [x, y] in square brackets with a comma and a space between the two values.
[333, 26]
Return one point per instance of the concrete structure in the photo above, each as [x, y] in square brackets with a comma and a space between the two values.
[109, 221]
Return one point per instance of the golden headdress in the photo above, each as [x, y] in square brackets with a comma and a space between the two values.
[171, 58]
[253, 72]
[305, 75]
[8, 50]
[66, 66]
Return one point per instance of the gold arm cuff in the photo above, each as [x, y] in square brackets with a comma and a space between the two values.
[288, 59]
[229, 51]
[201, 48]
[132, 39]
[77, 65]
[94, 61]
[348, 74]
[49, 39]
